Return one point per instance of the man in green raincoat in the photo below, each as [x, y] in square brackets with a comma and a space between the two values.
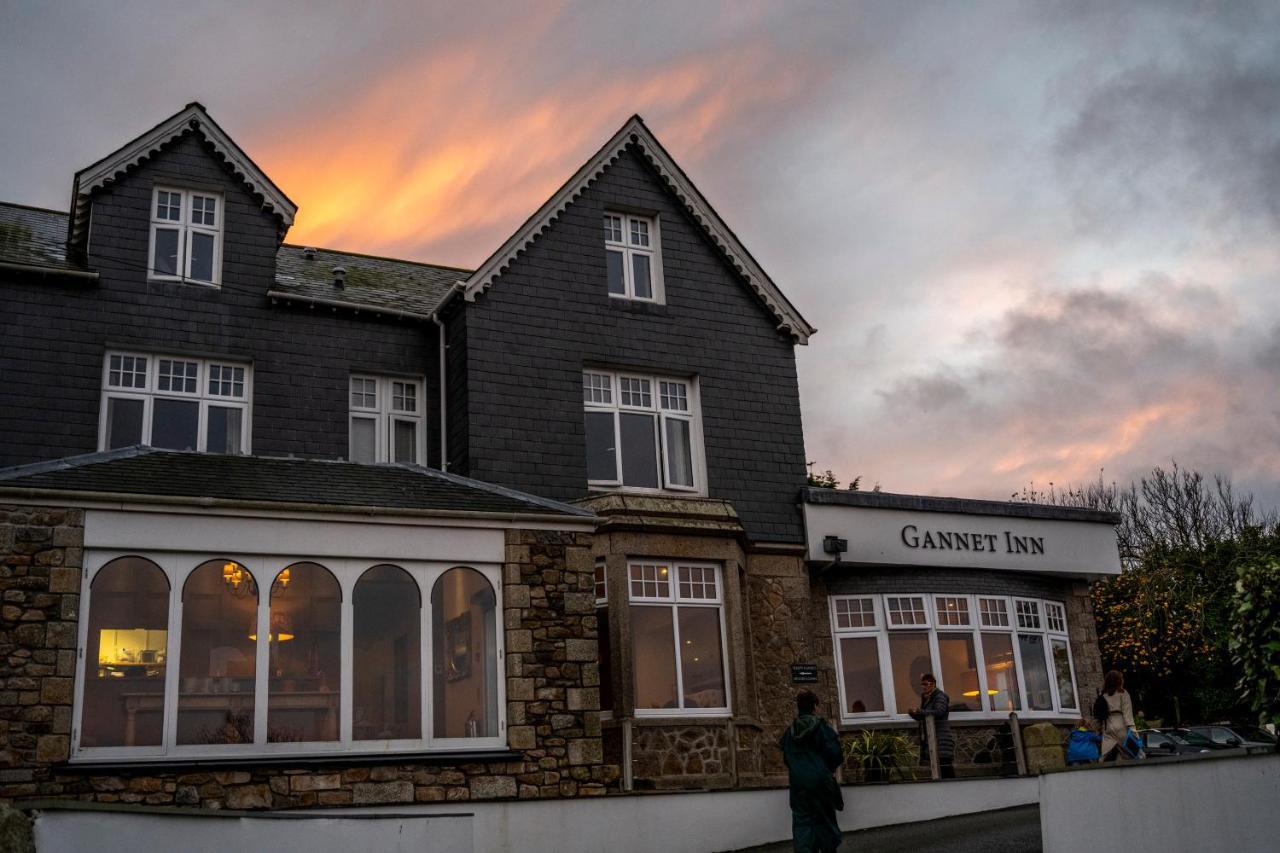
[811, 749]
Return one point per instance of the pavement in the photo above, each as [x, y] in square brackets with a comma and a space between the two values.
[1015, 830]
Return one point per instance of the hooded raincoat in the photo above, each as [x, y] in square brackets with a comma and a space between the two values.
[811, 749]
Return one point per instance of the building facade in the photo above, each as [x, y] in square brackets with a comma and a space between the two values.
[286, 527]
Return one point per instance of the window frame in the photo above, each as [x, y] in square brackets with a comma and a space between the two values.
[186, 227]
[693, 417]
[975, 628]
[630, 250]
[151, 392]
[385, 417]
[178, 566]
[673, 601]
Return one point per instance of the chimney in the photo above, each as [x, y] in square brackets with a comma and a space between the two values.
[339, 277]
[309, 252]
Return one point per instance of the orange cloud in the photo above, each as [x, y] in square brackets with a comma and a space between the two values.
[441, 158]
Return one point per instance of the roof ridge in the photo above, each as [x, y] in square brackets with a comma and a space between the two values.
[78, 461]
[32, 207]
[378, 257]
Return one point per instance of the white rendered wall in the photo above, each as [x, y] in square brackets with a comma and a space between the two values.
[672, 823]
[1226, 804]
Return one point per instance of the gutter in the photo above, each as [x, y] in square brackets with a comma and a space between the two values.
[116, 499]
[444, 398]
[49, 272]
[350, 306]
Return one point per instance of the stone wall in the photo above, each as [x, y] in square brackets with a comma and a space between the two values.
[41, 552]
[553, 693]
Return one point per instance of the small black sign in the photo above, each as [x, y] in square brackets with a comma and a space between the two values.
[804, 673]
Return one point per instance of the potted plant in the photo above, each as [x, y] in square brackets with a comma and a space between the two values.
[878, 754]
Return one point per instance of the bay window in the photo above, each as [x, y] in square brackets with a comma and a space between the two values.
[186, 236]
[991, 654]
[678, 639]
[642, 432]
[175, 403]
[387, 420]
[223, 657]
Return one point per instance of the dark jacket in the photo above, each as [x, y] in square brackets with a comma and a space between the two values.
[811, 750]
[938, 706]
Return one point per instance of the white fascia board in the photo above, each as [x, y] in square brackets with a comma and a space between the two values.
[635, 132]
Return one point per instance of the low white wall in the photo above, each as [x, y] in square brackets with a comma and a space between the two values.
[676, 823]
[1230, 804]
[65, 831]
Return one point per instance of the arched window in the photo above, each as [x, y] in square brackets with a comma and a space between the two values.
[464, 641]
[125, 655]
[219, 663]
[387, 656]
[306, 655]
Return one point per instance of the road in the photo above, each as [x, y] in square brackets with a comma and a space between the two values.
[1006, 831]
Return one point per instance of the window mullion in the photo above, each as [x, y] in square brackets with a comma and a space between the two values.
[887, 690]
[346, 657]
[172, 667]
[262, 647]
[675, 627]
[426, 582]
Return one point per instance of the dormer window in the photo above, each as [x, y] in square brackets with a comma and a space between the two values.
[186, 236]
[632, 256]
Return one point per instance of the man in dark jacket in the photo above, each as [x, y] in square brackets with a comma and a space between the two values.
[934, 703]
[811, 749]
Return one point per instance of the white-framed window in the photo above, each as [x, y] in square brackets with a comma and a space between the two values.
[186, 235]
[643, 432]
[991, 654]
[175, 402]
[217, 656]
[633, 257]
[678, 645]
[602, 634]
[388, 420]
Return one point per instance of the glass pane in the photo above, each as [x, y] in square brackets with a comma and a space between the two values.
[364, 440]
[639, 453]
[1035, 672]
[1062, 668]
[387, 656]
[860, 663]
[165, 261]
[606, 662]
[959, 671]
[219, 656]
[405, 437]
[602, 459]
[1002, 679]
[701, 663]
[201, 256]
[653, 651]
[306, 668]
[125, 655]
[616, 283]
[643, 286]
[909, 657]
[679, 455]
[175, 424]
[464, 638]
[124, 423]
[224, 430]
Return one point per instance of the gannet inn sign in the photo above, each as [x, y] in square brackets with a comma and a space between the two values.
[913, 530]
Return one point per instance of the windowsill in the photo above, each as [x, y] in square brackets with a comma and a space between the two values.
[639, 306]
[162, 279]
[159, 764]
[604, 489]
[956, 720]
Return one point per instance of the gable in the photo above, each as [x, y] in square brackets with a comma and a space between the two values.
[191, 119]
[636, 136]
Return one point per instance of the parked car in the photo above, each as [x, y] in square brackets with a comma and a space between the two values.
[1194, 738]
[1162, 743]
[1230, 735]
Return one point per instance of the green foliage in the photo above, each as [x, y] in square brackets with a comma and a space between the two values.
[1255, 635]
[828, 480]
[878, 755]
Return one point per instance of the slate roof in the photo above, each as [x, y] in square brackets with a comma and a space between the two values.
[34, 236]
[370, 281]
[145, 471]
[37, 237]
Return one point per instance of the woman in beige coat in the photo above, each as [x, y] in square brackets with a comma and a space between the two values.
[1119, 721]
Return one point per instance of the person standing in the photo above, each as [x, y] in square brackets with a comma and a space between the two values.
[811, 750]
[1119, 718]
[934, 703]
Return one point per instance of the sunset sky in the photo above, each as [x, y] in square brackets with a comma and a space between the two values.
[1039, 240]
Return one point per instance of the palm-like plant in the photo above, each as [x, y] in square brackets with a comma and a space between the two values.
[878, 755]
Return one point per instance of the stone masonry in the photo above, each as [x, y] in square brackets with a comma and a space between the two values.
[553, 694]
